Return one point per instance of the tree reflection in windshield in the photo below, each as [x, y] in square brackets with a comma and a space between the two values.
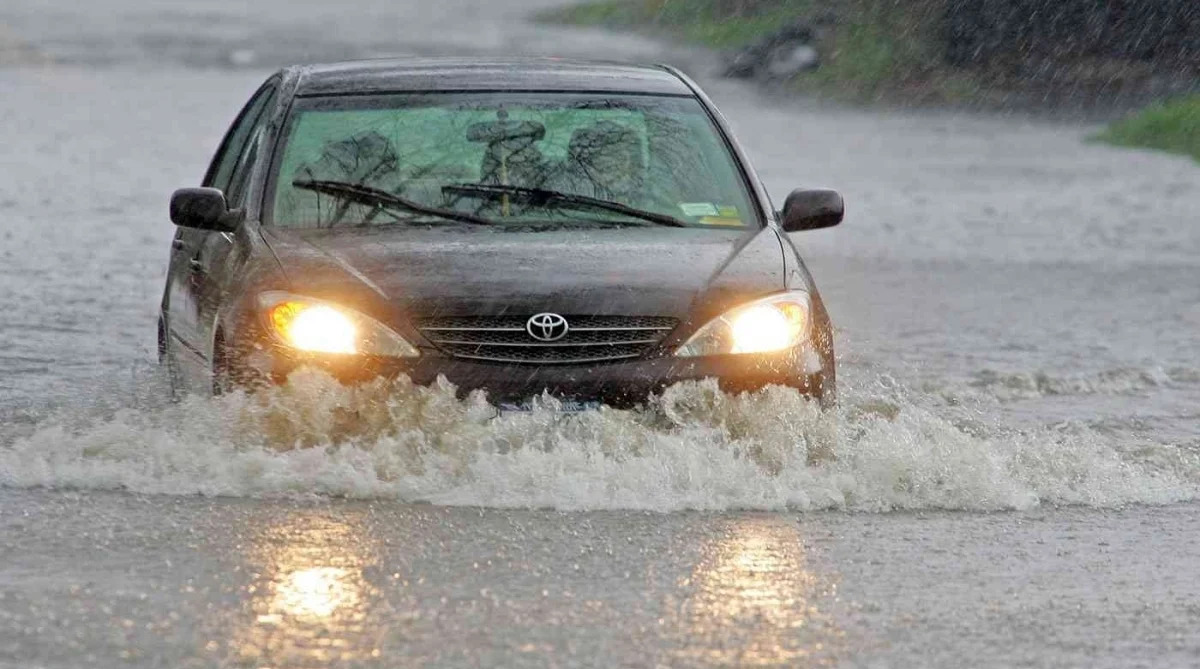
[604, 160]
[365, 158]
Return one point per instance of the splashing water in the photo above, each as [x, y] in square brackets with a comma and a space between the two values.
[693, 448]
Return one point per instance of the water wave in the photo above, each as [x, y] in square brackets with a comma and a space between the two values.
[1012, 386]
[693, 448]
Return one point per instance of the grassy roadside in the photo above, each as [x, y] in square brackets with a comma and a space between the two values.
[1172, 126]
[872, 50]
[706, 22]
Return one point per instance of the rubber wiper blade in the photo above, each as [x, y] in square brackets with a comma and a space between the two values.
[544, 196]
[370, 195]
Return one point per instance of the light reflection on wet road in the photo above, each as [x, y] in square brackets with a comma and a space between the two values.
[755, 602]
[309, 596]
[124, 580]
[318, 597]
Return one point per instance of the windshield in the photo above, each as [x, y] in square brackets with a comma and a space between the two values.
[506, 159]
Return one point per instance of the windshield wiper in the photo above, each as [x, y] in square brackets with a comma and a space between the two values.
[541, 196]
[370, 195]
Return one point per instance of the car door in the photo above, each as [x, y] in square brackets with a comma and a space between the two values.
[193, 290]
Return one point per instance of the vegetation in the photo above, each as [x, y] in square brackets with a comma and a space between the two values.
[1168, 126]
[714, 23]
[870, 49]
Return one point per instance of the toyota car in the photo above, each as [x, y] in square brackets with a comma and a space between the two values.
[584, 231]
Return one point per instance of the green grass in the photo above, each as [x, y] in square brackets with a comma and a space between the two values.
[877, 49]
[706, 22]
[1172, 126]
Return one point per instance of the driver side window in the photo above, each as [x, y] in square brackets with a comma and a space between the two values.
[228, 168]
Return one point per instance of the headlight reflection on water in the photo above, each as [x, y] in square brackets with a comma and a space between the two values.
[755, 602]
[314, 593]
[309, 598]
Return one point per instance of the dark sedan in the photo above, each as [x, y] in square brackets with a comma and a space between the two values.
[588, 230]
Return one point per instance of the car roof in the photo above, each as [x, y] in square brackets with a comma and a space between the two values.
[393, 75]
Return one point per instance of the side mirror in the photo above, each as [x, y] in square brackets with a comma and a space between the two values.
[204, 209]
[812, 209]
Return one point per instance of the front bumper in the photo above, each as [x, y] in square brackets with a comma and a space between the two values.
[620, 384]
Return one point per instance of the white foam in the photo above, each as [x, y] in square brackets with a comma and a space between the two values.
[696, 448]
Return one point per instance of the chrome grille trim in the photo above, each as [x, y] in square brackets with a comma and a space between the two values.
[504, 339]
[431, 329]
[572, 361]
[619, 329]
[541, 344]
[523, 329]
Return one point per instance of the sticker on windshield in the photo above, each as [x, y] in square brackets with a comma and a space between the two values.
[722, 220]
[695, 209]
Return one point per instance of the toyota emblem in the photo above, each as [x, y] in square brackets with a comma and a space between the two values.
[547, 327]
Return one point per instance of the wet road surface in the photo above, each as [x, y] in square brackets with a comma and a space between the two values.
[190, 582]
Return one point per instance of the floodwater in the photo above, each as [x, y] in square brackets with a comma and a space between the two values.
[1011, 479]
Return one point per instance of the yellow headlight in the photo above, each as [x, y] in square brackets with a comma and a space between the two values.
[774, 323]
[314, 327]
[767, 327]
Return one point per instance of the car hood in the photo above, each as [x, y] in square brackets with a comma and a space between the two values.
[465, 271]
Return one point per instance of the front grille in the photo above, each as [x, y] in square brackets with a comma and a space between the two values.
[589, 339]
